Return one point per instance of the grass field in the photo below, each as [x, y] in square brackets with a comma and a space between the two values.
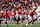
[36, 24]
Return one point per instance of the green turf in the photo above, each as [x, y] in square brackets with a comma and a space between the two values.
[14, 24]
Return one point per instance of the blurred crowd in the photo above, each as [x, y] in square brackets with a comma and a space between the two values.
[14, 5]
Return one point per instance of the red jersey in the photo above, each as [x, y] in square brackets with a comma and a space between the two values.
[19, 8]
[13, 13]
[6, 13]
[26, 12]
[31, 14]
[18, 12]
[23, 12]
